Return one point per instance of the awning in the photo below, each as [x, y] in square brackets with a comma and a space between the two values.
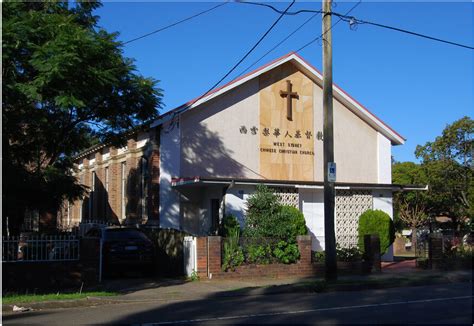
[207, 181]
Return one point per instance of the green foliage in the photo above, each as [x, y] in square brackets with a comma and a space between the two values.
[446, 166]
[296, 220]
[286, 252]
[25, 298]
[194, 276]
[258, 254]
[262, 211]
[348, 254]
[447, 162]
[319, 256]
[233, 255]
[457, 255]
[229, 225]
[342, 254]
[410, 206]
[66, 86]
[267, 218]
[379, 223]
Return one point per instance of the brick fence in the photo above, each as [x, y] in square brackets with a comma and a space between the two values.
[53, 275]
[209, 254]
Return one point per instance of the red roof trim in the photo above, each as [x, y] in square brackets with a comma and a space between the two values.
[191, 102]
[343, 91]
[268, 64]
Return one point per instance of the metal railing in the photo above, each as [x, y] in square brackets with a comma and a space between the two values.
[86, 225]
[40, 248]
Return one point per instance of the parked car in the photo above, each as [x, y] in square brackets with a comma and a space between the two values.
[124, 247]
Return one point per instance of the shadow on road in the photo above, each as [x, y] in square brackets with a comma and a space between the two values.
[396, 305]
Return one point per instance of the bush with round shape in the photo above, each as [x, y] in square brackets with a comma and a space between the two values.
[376, 222]
[296, 221]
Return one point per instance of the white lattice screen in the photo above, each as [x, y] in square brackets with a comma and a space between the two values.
[288, 196]
[350, 204]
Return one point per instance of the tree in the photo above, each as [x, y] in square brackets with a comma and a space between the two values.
[447, 163]
[410, 206]
[66, 86]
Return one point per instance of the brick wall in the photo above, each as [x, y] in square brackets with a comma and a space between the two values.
[201, 251]
[303, 267]
[107, 204]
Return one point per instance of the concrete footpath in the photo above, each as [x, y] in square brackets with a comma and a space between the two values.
[169, 290]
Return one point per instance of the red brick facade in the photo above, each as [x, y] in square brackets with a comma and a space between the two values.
[125, 188]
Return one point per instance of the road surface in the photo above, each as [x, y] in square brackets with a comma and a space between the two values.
[435, 304]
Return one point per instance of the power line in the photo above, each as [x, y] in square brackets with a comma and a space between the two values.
[245, 56]
[175, 23]
[278, 44]
[354, 21]
[333, 25]
[292, 13]
[292, 33]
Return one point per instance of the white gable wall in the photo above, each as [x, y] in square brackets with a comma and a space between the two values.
[212, 145]
[170, 145]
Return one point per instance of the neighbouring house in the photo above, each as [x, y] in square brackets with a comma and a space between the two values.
[202, 160]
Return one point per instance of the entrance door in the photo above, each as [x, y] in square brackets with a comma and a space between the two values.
[215, 205]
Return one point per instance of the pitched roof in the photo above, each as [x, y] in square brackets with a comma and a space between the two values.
[338, 93]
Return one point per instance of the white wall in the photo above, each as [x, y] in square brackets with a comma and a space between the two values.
[384, 159]
[169, 168]
[312, 206]
[212, 145]
[236, 201]
[382, 199]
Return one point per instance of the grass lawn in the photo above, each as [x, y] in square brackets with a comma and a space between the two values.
[21, 298]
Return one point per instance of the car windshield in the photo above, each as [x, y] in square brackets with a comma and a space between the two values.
[120, 234]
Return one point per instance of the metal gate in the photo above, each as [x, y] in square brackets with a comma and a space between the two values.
[190, 255]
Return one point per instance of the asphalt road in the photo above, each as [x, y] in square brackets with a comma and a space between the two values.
[436, 304]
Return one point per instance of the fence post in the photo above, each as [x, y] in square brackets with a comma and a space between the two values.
[372, 252]
[214, 255]
[435, 250]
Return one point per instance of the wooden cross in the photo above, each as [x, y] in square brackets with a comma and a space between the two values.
[289, 95]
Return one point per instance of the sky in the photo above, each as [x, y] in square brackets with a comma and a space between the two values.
[416, 86]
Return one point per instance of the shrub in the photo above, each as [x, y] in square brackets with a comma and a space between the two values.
[232, 253]
[348, 254]
[258, 254]
[295, 220]
[229, 225]
[267, 218]
[342, 254]
[318, 256]
[379, 223]
[286, 252]
[262, 208]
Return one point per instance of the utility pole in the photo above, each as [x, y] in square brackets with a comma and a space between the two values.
[328, 144]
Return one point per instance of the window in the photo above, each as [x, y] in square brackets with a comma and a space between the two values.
[91, 195]
[68, 213]
[143, 170]
[81, 204]
[106, 192]
[123, 189]
[215, 206]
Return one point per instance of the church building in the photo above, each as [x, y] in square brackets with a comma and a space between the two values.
[202, 160]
